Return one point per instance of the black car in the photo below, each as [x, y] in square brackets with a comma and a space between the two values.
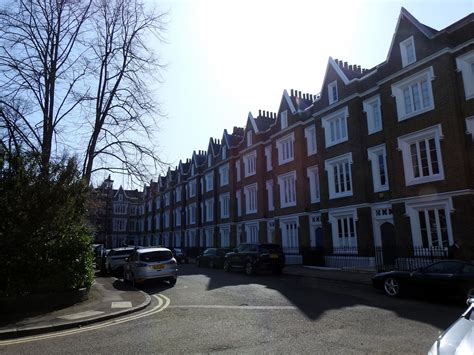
[212, 257]
[179, 255]
[447, 278]
[252, 257]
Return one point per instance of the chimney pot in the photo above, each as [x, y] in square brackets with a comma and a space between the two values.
[337, 61]
[345, 65]
[291, 92]
[350, 67]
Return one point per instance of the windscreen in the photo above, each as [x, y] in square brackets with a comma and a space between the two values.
[270, 248]
[155, 256]
[123, 252]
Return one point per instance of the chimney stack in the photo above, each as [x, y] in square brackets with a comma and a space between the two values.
[345, 65]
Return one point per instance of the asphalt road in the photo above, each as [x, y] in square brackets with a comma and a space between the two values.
[212, 311]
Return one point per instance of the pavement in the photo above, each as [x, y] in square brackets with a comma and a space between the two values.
[110, 298]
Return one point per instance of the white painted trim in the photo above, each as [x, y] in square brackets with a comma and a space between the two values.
[403, 51]
[464, 65]
[326, 124]
[281, 178]
[328, 164]
[372, 154]
[368, 105]
[279, 146]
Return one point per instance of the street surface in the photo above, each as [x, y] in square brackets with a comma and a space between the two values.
[212, 311]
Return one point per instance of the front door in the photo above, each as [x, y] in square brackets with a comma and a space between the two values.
[389, 247]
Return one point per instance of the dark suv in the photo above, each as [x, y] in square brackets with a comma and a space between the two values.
[253, 257]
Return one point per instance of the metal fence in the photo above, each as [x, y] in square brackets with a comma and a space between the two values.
[409, 258]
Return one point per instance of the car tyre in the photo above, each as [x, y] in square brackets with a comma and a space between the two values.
[227, 266]
[172, 281]
[391, 286]
[249, 268]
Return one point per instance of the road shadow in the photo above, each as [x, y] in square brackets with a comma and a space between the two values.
[314, 297]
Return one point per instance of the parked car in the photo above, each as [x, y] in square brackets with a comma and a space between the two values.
[459, 337]
[212, 257]
[179, 255]
[447, 278]
[115, 259]
[252, 257]
[151, 264]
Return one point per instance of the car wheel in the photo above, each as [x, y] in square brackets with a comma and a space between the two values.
[249, 268]
[227, 266]
[211, 264]
[391, 286]
[172, 282]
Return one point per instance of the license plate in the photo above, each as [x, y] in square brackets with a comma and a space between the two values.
[158, 267]
[273, 256]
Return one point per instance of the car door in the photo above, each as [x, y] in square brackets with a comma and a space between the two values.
[238, 258]
[442, 277]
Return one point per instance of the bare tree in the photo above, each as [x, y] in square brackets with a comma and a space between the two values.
[125, 111]
[39, 53]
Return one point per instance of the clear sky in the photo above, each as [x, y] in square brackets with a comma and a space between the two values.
[228, 58]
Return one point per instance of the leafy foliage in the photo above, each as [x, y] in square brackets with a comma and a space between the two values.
[45, 242]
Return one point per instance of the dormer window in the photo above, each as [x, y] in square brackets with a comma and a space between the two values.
[332, 93]
[407, 51]
[284, 119]
[224, 152]
[465, 64]
[249, 138]
[209, 160]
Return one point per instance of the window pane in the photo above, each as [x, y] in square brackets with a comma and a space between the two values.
[338, 129]
[410, 53]
[433, 228]
[425, 93]
[414, 160]
[333, 131]
[424, 158]
[444, 228]
[343, 128]
[416, 97]
[347, 176]
[382, 170]
[433, 156]
[407, 99]
[423, 230]
[336, 178]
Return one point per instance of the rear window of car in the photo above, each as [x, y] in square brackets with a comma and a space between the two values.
[270, 248]
[122, 252]
[155, 256]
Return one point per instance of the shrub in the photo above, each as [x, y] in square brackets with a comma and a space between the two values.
[45, 242]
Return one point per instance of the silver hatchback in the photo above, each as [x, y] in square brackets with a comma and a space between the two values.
[151, 264]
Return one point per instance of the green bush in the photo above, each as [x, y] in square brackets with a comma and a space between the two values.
[45, 242]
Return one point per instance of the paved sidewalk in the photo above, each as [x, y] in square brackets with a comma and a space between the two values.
[344, 275]
[108, 298]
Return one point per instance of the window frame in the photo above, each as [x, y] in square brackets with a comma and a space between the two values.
[209, 179]
[398, 91]
[291, 192]
[314, 185]
[339, 115]
[284, 119]
[329, 167]
[270, 199]
[373, 154]
[465, 65]
[404, 144]
[209, 204]
[224, 172]
[224, 200]
[311, 142]
[249, 201]
[281, 143]
[331, 92]
[342, 218]
[268, 157]
[369, 108]
[404, 52]
[252, 156]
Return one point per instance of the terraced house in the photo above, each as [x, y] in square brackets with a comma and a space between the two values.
[381, 160]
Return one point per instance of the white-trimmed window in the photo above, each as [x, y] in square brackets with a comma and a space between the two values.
[237, 169]
[332, 92]
[157, 222]
[238, 199]
[224, 152]
[378, 160]
[167, 198]
[374, 114]
[339, 175]
[407, 51]
[289, 236]
[421, 151]
[224, 205]
[285, 149]
[192, 213]
[119, 225]
[250, 163]
[269, 186]
[268, 157]
[209, 209]
[414, 95]
[191, 188]
[287, 183]
[431, 223]
[249, 138]
[209, 159]
[225, 236]
[166, 218]
[224, 174]
[465, 64]
[314, 190]
[252, 232]
[120, 208]
[310, 135]
[178, 194]
[250, 192]
[284, 119]
[209, 177]
[177, 217]
[344, 230]
[335, 127]
[208, 232]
